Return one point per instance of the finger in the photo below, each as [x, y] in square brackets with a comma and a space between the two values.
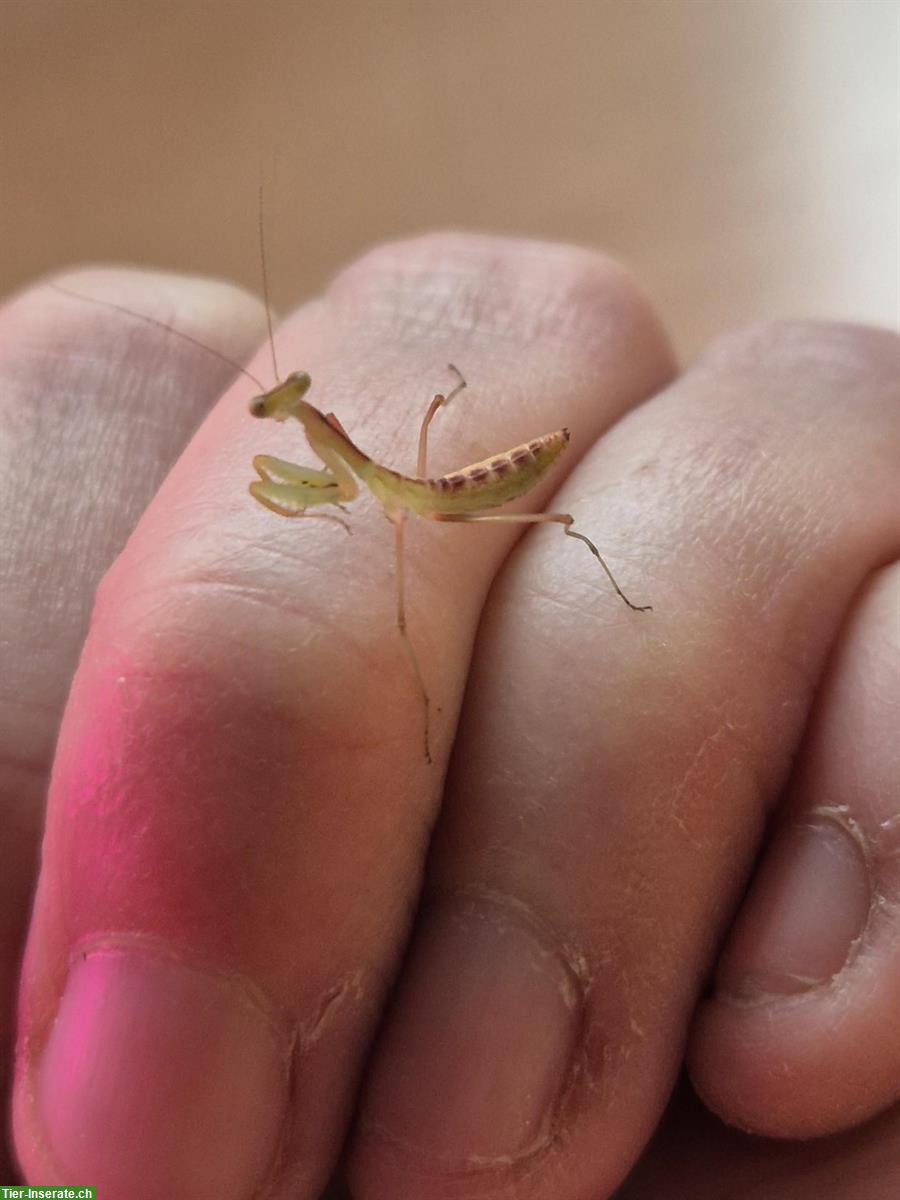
[613, 769]
[240, 801]
[693, 1154]
[802, 1036]
[91, 420]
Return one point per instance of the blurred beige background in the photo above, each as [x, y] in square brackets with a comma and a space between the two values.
[742, 155]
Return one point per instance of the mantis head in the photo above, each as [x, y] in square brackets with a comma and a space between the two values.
[280, 401]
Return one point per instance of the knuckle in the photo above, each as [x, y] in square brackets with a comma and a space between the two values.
[496, 288]
[839, 350]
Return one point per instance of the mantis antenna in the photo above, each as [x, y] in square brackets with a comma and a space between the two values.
[139, 316]
[265, 282]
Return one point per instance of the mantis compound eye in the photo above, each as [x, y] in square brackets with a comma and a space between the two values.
[299, 382]
[258, 406]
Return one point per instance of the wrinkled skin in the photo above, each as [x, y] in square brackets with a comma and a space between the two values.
[265, 929]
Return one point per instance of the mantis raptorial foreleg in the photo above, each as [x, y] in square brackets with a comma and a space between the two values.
[564, 519]
[438, 402]
[278, 470]
[399, 522]
[289, 489]
[281, 499]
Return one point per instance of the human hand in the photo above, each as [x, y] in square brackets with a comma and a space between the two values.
[238, 823]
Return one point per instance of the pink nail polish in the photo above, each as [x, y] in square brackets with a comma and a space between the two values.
[158, 1079]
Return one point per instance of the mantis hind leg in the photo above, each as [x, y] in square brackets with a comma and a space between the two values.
[438, 402]
[564, 519]
[570, 532]
[399, 521]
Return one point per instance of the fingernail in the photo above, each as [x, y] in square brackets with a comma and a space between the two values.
[481, 1038]
[160, 1080]
[806, 909]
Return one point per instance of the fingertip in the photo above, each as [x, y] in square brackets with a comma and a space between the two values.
[801, 1038]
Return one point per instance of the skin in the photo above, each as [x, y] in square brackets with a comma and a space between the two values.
[291, 490]
[662, 838]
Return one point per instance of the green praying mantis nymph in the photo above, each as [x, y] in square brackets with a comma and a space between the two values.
[291, 490]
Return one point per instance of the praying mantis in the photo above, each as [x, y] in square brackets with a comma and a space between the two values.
[290, 490]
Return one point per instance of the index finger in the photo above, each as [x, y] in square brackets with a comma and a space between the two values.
[240, 805]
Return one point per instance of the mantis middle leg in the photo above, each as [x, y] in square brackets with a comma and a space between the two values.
[438, 402]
